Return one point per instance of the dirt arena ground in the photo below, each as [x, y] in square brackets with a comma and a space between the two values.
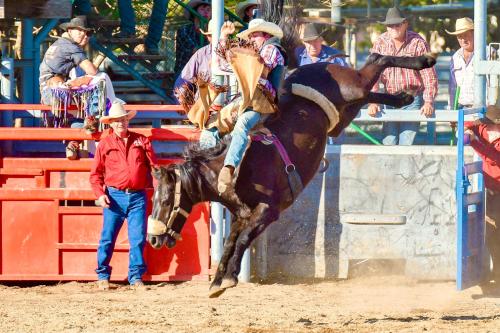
[380, 304]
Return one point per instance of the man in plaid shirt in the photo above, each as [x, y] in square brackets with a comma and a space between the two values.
[399, 41]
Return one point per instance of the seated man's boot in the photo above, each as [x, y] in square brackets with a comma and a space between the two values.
[72, 150]
[225, 178]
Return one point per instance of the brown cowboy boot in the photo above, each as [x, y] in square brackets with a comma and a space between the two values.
[225, 178]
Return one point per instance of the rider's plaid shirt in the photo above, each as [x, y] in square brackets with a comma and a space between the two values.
[401, 79]
[271, 56]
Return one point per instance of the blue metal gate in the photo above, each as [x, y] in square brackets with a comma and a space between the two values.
[472, 257]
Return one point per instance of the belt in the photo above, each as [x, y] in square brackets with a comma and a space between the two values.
[126, 190]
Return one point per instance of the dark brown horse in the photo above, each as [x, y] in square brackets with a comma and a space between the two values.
[262, 188]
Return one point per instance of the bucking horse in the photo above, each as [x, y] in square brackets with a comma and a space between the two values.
[317, 101]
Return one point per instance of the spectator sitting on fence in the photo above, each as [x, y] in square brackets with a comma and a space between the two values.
[189, 38]
[461, 84]
[314, 50]
[198, 65]
[120, 174]
[90, 93]
[155, 27]
[484, 137]
[399, 41]
[245, 10]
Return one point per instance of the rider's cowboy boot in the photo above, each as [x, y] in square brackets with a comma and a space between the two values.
[225, 179]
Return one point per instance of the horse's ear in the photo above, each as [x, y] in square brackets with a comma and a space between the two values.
[156, 172]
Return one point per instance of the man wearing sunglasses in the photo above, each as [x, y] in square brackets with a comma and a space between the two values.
[423, 84]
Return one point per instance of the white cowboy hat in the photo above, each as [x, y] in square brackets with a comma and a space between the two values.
[210, 28]
[462, 25]
[242, 7]
[117, 111]
[262, 26]
[194, 4]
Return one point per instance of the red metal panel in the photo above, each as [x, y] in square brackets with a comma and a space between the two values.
[61, 179]
[29, 232]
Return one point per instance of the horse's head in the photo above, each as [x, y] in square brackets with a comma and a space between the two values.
[171, 208]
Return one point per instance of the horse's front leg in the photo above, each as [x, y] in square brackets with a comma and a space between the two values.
[229, 245]
[399, 100]
[262, 216]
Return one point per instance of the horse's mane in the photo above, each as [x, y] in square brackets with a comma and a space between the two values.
[192, 177]
[194, 153]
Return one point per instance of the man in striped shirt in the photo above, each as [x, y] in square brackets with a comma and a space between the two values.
[399, 41]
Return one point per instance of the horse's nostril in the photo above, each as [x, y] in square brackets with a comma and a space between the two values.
[170, 242]
[155, 242]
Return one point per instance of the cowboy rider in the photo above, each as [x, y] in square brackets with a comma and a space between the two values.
[266, 37]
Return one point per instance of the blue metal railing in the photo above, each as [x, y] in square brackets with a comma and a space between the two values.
[472, 257]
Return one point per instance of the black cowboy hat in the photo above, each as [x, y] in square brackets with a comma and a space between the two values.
[492, 115]
[79, 22]
[394, 16]
[309, 32]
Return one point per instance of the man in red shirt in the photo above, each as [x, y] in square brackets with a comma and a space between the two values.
[484, 137]
[119, 176]
[401, 42]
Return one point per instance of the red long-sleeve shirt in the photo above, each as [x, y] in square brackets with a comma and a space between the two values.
[122, 167]
[489, 151]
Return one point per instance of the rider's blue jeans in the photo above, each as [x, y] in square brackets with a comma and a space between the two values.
[246, 121]
[131, 206]
[156, 20]
[402, 133]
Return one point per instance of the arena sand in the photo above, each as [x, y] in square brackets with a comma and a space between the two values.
[380, 304]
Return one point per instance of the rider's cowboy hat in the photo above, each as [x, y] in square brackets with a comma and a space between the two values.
[394, 16]
[492, 115]
[462, 25]
[117, 111]
[242, 7]
[309, 33]
[210, 28]
[261, 26]
[193, 4]
[79, 22]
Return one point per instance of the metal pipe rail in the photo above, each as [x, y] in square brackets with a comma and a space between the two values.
[172, 133]
[395, 115]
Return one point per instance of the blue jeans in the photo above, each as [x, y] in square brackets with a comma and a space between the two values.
[209, 138]
[402, 133]
[156, 20]
[246, 121]
[131, 206]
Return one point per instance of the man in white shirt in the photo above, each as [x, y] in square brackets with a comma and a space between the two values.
[461, 84]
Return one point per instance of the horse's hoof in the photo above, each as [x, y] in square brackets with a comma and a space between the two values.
[228, 283]
[215, 291]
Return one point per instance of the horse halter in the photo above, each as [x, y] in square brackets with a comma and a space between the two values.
[157, 227]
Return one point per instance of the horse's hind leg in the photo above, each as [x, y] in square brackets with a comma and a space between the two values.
[417, 63]
[263, 215]
[398, 100]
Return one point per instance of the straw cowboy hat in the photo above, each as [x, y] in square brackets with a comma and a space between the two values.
[79, 22]
[117, 111]
[210, 28]
[394, 16]
[262, 26]
[194, 4]
[242, 7]
[309, 33]
[462, 25]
